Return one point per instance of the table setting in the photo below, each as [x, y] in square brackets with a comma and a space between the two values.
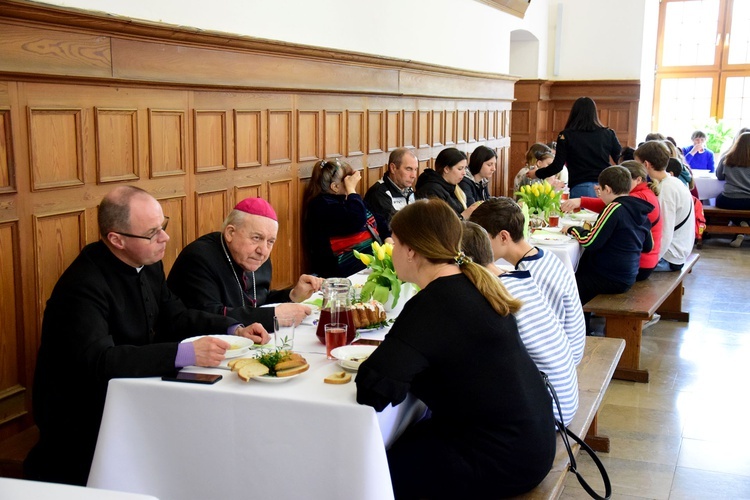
[296, 436]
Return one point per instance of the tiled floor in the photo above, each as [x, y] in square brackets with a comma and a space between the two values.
[686, 434]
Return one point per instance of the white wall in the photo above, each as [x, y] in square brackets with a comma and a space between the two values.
[456, 33]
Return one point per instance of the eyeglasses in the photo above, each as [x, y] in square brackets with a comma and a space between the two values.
[154, 234]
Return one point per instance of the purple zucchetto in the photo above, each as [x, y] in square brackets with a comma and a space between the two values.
[257, 206]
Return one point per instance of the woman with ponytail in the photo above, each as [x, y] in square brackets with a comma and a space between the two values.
[456, 347]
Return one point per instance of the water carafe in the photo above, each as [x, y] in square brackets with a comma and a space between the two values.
[337, 307]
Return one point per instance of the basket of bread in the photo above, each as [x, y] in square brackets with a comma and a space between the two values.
[278, 365]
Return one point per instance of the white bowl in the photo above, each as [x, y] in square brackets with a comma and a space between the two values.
[351, 356]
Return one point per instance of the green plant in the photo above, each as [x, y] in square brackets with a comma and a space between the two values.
[541, 197]
[717, 133]
[382, 281]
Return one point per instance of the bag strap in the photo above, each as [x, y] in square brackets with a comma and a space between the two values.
[564, 433]
[678, 226]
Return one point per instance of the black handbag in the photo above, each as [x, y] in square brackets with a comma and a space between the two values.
[564, 433]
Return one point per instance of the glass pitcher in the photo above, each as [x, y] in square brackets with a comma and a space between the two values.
[338, 295]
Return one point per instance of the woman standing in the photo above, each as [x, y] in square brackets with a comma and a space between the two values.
[336, 221]
[482, 165]
[491, 430]
[442, 183]
[586, 146]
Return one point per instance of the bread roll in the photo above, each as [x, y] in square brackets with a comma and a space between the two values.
[338, 378]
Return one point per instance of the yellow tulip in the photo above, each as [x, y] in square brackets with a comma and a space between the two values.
[547, 187]
[375, 247]
[535, 190]
[366, 259]
[388, 249]
[381, 253]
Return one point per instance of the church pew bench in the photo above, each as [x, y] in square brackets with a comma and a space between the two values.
[717, 222]
[625, 313]
[594, 374]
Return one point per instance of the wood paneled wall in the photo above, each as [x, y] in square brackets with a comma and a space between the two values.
[541, 110]
[201, 121]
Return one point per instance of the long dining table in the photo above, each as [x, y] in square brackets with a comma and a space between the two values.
[299, 439]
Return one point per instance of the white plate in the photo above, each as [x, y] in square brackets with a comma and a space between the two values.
[583, 215]
[549, 238]
[242, 345]
[268, 379]
[344, 355]
[551, 229]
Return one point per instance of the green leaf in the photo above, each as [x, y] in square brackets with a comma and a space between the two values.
[381, 294]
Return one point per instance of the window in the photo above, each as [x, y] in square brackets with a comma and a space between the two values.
[702, 65]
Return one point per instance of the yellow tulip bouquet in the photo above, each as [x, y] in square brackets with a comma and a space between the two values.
[540, 197]
[382, 281]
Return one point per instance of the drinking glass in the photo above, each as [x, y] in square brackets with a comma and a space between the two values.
[283, 329]
[554, 219]
[335, 337]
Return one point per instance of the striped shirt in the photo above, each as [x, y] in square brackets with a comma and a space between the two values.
[545, 341]
[558, 284]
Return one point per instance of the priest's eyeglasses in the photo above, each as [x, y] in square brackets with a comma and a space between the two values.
[153, 235]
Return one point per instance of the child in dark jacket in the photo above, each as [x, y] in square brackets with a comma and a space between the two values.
[614, 244]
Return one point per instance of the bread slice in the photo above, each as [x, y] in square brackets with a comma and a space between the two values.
[237, 363]
[338, 378]
[289, 363]
[292, 371]
[251, 370]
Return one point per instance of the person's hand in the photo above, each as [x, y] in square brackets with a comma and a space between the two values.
[296, 311]
[254, 332]
[531, 174]
[556, 183]
[209, 351]
[306, 286]
[388, 240]
[466, 214]
[570, 205]
[351, 181]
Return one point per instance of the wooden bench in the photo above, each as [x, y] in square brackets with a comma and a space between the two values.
[625, 313]
[13, 452]
[594, 373]
[717, 222]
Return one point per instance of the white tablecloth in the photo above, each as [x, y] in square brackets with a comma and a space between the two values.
[17, 489]
[569, 253]
[235, 439]
[707, 184]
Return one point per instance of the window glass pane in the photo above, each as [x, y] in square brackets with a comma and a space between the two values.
[737, 102]
[684, 106]
[739, 41]
[690, 33]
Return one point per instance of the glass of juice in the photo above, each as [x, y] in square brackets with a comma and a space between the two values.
[554, 219]
[335, 337]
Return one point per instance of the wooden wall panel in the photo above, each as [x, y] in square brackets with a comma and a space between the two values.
[308, 136]
[248, 150]
[462, 124]
[450, 128]
[56, 148]
[409, 128]
[167, 142]
[437, 129]
[376, 131]
[210, 210]
[279, 136]
[281, 197]
[393, 130]
[174, 208]
[472, 125]
[210, 140]
[10, 361]
[424, 133]
[483, 125]
[116, 145]
[7, 170]
[242, 192]
[58, 239]
[334, 145]
[355, 133]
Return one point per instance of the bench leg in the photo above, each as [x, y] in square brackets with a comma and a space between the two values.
[672, 307]
[629, 329]
[597, 443]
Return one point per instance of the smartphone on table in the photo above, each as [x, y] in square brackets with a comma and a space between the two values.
[193, 378]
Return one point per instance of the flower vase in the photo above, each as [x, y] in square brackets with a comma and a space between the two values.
[407, 292]
[537, 219]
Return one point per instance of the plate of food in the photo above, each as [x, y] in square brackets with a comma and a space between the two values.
[272, 367]
[351, 356]
[544, 237]
[238, 346]
[369, 316]
[583, 215]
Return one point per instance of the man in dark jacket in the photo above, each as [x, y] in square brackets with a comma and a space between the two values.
[229, 272]
[394, 191]
[111, 315]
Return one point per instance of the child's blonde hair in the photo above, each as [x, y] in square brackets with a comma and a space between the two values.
[538, 152]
